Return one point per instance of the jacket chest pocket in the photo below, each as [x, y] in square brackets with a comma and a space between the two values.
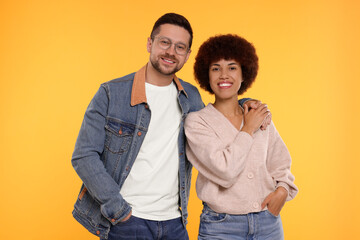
[118, 136]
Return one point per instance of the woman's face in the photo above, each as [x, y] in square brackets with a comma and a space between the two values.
[225, 78]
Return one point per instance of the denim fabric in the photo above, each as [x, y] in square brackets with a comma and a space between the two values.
[137, 228]
[109, 140]
[253, 226]
[243, 100]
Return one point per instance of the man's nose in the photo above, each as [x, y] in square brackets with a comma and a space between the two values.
[171, 50]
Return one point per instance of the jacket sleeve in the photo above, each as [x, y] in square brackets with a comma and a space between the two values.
[88, 165]
[244, 100]
[279, 163]
[218, 162]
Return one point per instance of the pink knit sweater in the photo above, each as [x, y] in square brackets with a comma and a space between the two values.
[236, 171]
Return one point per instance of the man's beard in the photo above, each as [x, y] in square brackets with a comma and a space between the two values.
[156, 65]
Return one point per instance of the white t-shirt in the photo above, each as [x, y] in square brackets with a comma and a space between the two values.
[152, 187]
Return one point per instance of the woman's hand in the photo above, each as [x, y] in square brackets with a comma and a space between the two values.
[255, 104]
[275, 201]
[253, 118]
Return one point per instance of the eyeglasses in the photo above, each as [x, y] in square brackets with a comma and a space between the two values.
[165, 43]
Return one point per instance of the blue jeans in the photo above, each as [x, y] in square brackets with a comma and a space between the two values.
[253, 226]
[137, 228]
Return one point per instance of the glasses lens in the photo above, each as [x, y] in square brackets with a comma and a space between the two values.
[180, 48]
[164, 43]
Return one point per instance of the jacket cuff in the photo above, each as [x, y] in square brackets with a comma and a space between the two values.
[118, 216]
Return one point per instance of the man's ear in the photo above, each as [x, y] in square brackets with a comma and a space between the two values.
[188, 55]
[149, 44]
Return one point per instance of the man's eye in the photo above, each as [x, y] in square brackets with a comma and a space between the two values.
[181, 47]
[165, 42]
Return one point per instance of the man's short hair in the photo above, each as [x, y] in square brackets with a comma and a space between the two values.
[174, 19]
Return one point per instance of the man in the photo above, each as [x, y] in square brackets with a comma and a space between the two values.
[130, 152]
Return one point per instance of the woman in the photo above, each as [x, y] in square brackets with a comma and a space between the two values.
[244, 174]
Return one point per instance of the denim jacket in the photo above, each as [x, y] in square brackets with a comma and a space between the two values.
[113, 129]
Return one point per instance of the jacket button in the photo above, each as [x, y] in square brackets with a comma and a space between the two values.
[97, 232]
[139, 133]
[112, 220]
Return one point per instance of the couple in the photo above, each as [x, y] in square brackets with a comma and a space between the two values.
[130, 152]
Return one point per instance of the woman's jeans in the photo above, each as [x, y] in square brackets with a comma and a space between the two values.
[137, 228]
[253, 226]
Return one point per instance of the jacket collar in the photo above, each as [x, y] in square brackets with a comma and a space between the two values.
[138, 88]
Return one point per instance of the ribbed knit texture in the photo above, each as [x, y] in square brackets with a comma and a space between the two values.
[236, 171]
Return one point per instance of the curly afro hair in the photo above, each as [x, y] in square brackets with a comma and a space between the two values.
[228, 47]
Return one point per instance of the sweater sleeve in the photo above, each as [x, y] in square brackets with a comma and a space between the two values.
[279, 163]
[218, 162]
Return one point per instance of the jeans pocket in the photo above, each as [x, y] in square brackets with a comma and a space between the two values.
[212, 217]
[130, 229]
[271, 214]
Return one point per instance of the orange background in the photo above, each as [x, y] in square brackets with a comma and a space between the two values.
[55, 54]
